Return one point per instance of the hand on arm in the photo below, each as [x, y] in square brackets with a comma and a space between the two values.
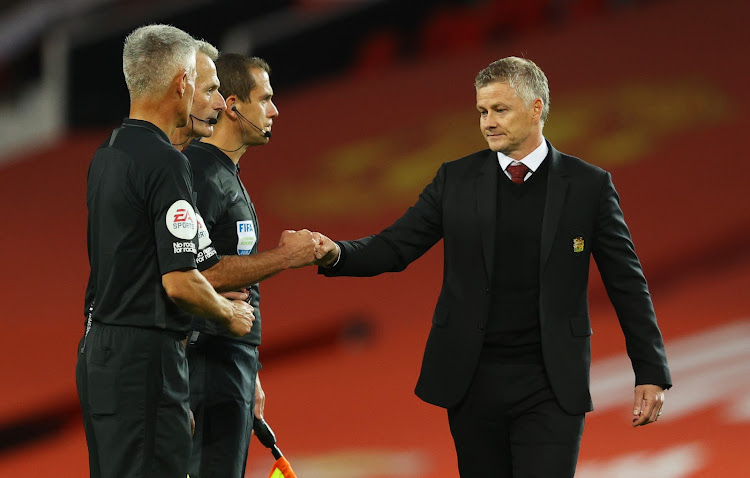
[241, 294]
[647, 404]
[295, 249]
[326, 251]
[192, 292]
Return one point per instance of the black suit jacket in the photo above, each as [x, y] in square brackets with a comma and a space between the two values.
[582, 216]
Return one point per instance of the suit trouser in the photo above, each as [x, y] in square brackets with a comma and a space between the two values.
[222, 397]
[509, 425]
[133, 388]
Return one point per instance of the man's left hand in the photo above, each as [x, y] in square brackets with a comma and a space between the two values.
[647, 405]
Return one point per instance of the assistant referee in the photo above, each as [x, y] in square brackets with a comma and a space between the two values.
[224, 383]
[131, 373]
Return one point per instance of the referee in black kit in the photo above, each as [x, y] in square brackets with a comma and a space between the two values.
[223, 426]
[132, 371]
[224, 385]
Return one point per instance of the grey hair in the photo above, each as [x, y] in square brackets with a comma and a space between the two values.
[207, 49]
[152, 55]
[524, 76]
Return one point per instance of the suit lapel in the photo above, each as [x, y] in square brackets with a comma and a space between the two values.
[557, 185]
[486, 193]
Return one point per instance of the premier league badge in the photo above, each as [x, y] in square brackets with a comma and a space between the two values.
[578, 244]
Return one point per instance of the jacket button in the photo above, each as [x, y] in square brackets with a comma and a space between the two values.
[486, 291]
[480, 328]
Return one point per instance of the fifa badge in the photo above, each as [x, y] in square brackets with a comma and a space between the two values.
[578, 244]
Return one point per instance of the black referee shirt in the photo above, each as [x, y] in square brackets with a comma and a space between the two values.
[230, 218]
[142, 224]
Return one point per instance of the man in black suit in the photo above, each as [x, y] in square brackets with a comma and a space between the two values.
[508, 353]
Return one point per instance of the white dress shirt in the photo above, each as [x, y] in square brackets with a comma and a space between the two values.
[532, 161]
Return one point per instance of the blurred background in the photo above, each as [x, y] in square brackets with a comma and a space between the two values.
[373, 96]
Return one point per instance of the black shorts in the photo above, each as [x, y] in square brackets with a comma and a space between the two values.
[133, 388]
[222, 396]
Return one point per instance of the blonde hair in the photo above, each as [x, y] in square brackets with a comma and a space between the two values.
[524, 76]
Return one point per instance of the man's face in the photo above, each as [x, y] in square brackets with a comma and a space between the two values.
[507, 124]
[260, 109]
[207, 101]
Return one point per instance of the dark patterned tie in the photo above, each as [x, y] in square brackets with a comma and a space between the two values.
[517, 172]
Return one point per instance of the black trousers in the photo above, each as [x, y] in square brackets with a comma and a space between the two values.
[133, 389]
[509, 425]
[222, 397]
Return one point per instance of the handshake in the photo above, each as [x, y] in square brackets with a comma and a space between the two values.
[295, 249]
[305, 248]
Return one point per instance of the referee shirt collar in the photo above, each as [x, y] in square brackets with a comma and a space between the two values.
[223, 159]
[147, 125]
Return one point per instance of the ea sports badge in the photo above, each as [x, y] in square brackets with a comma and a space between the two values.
[578, 244]
[181, 220]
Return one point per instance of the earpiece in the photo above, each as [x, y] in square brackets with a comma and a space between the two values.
[267, 134]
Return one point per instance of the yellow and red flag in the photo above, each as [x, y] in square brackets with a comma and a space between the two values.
[282, 469]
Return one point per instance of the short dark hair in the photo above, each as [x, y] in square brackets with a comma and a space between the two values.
[234, 75]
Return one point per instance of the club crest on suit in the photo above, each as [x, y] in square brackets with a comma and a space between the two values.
[578, 244]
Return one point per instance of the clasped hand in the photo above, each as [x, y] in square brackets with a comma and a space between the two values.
[304, 248]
